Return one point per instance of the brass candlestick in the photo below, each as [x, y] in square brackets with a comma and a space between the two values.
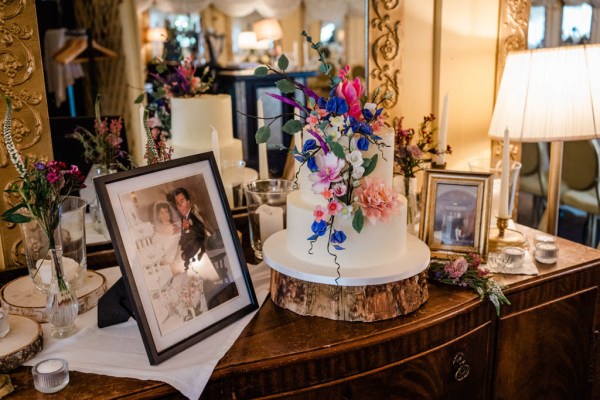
[501, 237]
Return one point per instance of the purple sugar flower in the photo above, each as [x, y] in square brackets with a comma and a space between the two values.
[329, 169]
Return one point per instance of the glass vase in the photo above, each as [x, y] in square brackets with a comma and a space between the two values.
[61, 306]
[98, 221]
[409, 190]
[70, 234]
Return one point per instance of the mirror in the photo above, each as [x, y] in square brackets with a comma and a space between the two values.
[122, 79]
[557, 23]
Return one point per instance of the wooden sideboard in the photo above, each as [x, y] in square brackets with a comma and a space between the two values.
[544, 345]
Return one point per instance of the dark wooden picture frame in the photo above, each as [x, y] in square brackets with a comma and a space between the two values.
[182, 262]
[455, 211]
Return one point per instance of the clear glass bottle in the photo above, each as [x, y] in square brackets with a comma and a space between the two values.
[62, 306]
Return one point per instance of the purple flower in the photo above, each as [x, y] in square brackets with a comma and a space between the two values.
[329, 169]
[40, 166]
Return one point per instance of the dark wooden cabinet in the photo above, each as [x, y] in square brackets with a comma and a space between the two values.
[543, 346]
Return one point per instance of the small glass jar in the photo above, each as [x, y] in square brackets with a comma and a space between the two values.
[51, 376]
[546, 253]
[544, 238]
[513, 256]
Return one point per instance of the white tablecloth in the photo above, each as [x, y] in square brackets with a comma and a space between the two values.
[119, 351]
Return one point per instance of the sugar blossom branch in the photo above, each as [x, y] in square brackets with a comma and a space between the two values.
[338, 131]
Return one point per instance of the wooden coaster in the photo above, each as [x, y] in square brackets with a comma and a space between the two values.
[24, 340]
[21, 297]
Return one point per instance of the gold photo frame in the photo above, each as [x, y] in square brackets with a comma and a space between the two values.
[456, 212]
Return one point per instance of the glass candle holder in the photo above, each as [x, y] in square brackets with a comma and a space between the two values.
[514, 256]
[51, 376]
[546, 253]
[543, 238]
[4, 325]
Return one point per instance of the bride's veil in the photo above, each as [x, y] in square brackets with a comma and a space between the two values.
[175, 219]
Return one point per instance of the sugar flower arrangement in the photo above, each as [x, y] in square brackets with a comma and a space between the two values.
[103, 146]
[340, 128]
[468, 271]
[415, 148]
[41, 188]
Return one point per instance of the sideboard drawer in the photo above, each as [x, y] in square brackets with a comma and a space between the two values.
[457, 369]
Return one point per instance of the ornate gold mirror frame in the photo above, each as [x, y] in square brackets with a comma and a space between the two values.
[22, 79]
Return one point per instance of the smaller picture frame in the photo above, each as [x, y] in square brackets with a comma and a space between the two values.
[455, 212]
[183, 268]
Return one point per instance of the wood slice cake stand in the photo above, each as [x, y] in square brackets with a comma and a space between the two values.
[21, 297]
[378, 292]
[24, 340]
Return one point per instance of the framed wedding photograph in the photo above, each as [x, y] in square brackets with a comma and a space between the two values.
[455, 212]
[182, 263]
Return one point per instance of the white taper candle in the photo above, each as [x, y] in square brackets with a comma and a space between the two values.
[215, 147]
[263, 161]
[503, 211]
[443, 133]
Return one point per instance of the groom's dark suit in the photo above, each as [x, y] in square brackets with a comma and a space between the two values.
[193, 237]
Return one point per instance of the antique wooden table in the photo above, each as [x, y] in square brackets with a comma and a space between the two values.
[544, 345]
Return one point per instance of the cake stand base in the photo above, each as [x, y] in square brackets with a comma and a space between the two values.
[368, 294]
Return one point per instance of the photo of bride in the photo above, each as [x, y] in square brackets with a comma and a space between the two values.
[181, 254]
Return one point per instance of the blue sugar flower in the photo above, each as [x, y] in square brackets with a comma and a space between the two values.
[310, 144]
[321, 102]
[362, 144]
[336, 105]
[338, 237]
[367, 113]
[312, 165]
[318, 228]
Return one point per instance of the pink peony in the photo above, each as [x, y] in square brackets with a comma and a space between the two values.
[377, 201]
[414, 150]
[351, 91]
[457, 268]
[329, 169]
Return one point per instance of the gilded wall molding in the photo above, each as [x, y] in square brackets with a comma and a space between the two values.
[385, 56]
[512, 35]
[22, 79]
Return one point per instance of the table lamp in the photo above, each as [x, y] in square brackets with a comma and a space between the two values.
[549, 95]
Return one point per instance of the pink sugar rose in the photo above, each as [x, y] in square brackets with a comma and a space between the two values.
[377, 201]
[351, 91]
[457, 268]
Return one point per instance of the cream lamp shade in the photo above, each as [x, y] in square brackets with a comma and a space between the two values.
[247, 40]
[550, 95]
[267, 29]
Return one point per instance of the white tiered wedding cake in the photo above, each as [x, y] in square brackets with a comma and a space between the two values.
[376, 255]
[191, 121]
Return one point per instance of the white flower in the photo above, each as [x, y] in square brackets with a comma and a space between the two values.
[355, 184]
[337, 122]
[355, 158]
[371, 107]
[346, 212]
[357, 172]
[353, 142]
[332, 132]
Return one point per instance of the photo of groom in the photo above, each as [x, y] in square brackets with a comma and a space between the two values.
[193, 229]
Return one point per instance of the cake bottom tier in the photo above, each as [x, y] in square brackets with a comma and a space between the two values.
[404, 265]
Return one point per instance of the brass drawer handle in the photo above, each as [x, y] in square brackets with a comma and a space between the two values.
[462, 368]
